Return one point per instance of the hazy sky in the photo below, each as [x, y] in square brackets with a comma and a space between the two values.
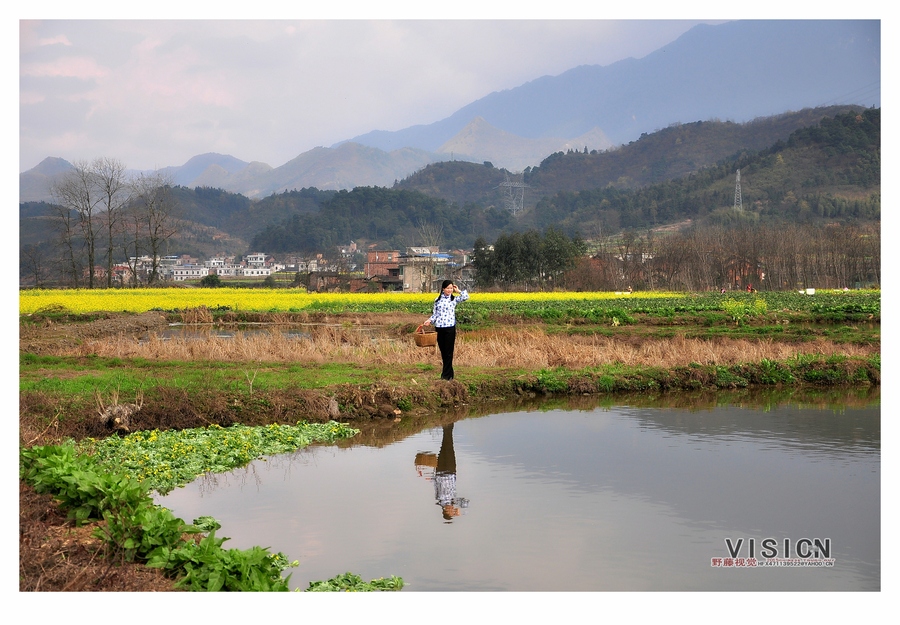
[154, 93]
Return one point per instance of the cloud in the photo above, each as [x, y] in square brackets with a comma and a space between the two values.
[59, 39]
[71, 67]
[161, 91]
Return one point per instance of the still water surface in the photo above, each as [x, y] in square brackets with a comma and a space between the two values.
[600, 499]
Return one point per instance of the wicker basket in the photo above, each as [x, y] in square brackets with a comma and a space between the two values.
[426, 459]
[425, 339]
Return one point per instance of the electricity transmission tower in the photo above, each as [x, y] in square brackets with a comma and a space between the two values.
[515, 193]
[737, 193]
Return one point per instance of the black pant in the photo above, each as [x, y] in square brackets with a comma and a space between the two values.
[446, 462]
[446, 338]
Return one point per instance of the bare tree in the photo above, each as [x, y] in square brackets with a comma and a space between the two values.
[133, 229]
[114, 191]
[70, 246]
[33, 260]
[630, 252]
[76, 192]
[431, 235]
[157, 215]
[770, 256]
[870, 252]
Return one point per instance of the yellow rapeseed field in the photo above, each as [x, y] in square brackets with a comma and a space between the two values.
[142, 300]
[264, 300]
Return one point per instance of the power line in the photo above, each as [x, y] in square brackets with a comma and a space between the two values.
[861, 94]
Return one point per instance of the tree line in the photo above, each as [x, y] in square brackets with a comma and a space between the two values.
[395, 216]
[525, 260]
[100, 214]
[739, 255]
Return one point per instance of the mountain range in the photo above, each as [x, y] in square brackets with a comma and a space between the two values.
[814, 166]
[734, 71]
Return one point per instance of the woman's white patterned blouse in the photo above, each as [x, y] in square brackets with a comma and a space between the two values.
[444, 315]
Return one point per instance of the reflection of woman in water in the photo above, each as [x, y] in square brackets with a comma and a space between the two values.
[445, 477]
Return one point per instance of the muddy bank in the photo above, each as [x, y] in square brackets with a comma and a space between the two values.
[55, 555]
[170, 407]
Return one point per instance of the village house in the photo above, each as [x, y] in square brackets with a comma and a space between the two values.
[382, 263]
[382, 270]
[422, 269]
[180, 273]
[99, 273]
[296, 264]
[122, 274]
[418, 269]
[347, 251]
[222, 266]
[257, 259]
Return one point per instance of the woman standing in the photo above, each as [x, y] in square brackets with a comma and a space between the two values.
[444, 319]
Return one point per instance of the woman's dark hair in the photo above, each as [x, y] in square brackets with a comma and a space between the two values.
[444, 285]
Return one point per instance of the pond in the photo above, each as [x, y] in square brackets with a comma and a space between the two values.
[614, 498]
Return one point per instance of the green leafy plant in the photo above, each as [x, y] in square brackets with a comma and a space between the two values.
[740, 310]
[163, 460]
[139, 530]
[206, 524]
[759, 307]
[351, 582]
[81, 486]
[725, 378]
[206, 566]
[773, 372]
[552, 381]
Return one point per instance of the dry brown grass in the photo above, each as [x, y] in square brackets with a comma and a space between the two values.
[197, 315]
[525, 346]
[533, 348]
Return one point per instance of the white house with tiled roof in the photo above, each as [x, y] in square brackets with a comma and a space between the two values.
[180, 273]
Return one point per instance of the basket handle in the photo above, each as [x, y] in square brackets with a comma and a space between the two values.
[421, 330]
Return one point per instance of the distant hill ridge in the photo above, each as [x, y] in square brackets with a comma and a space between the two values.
[828, 172]
[797, 166]
[670, 153]
[345, 166]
